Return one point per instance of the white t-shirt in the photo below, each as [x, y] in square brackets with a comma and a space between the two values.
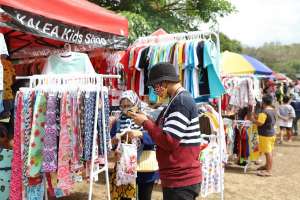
[74, 63]
[286, 110]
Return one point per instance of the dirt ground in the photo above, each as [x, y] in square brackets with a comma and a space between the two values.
[283, 185]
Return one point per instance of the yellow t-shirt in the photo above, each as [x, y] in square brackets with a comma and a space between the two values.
[262, 118]
[213, 119]
[180, 61]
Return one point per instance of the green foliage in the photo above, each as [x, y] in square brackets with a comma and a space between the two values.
[228, 44]
[146, 16]
[138, 25]
[281, 58]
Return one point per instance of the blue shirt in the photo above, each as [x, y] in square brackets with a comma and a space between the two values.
[210, 59]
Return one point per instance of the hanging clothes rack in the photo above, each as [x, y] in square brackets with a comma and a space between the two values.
[95, 80]
[205, 35]
[175, 36]
[246, 123]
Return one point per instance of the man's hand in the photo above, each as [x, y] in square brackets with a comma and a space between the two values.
[139, 118]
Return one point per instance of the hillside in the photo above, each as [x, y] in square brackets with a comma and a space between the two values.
[281, 58]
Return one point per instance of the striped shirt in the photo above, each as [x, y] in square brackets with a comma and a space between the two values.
[181, 120]
[177, 136]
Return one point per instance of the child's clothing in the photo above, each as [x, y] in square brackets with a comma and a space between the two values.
[286, 111]
[267, 131]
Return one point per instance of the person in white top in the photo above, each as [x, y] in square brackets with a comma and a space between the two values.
[297, 88]
[286, 114]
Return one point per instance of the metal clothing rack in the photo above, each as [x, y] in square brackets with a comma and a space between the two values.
[245, 123]
[95, 80]
[201, 35]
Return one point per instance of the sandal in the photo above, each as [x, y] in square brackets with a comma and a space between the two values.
[264, 174]
[261, 168]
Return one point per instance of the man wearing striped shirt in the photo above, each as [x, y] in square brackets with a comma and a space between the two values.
[177, 135]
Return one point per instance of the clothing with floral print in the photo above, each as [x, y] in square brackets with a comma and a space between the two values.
[64, 175]
[35, 157]
[5, 172]
[211, 177]
[50, 139]
[16, 174]
[35, 192]
[127, 165]
[81, 118]
[123, 191]
[26, 118]
[100, 125]
[76, 138]
[89, 103]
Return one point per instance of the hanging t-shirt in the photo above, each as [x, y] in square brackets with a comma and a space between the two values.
[195, 71]
[154, 56]
[180, 60]
[135, 81]
[188, 67]
[139, 65]
[74, 63]
[211, 63]
[143, 65]
[175, 58]
[191, 72]
[203, 75]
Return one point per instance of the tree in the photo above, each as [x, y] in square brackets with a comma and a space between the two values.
[228, 44]
[281, 58]
[146, 16]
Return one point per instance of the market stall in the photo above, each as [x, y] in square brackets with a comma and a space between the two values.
[195, 56]
[41, 29]
[37, 25]
[242, 76]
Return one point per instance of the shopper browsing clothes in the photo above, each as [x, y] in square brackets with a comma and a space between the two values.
[266, 121]
[286, 115]
[177, 135]
[147, 168]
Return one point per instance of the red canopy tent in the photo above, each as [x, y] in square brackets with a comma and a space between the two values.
[33, 25]
[159, 32]
[281, 77]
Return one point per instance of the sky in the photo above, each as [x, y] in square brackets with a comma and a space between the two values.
[260, 21]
